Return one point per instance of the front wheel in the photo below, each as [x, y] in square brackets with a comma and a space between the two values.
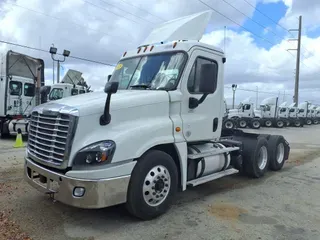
[152, 186]
[309, 122]
[229, 124]
[297, 123]
[280, 124]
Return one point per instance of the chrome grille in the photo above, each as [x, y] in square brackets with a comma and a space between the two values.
[49, 136]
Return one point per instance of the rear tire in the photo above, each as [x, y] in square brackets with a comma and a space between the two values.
[152, 186]
[256, 157]
[255, 124]
[242, 123]
[309, 122]
[315, 121]
[276, 152]
[268, 123]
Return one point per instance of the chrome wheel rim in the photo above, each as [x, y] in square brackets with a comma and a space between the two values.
[156, 186]
[262, 157]
[280, 152]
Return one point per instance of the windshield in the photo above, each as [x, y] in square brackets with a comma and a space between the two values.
[56, 93]
[292, 110]
[156, 72]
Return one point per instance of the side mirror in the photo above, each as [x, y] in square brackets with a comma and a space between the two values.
[111, 87]
[208, 76]
[109, 76]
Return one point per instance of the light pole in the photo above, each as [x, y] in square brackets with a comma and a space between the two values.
[234, 87]
[66, 53]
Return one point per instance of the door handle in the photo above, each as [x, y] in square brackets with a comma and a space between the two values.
[215, 124]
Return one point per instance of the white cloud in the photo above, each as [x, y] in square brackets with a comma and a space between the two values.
[103, 33]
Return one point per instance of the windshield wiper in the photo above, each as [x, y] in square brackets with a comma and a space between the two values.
[145, 86]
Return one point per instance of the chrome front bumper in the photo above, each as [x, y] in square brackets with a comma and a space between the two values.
[98, 193]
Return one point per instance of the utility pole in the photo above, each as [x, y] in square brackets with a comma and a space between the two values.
[52, 68]
[257, 96]
[296, 85]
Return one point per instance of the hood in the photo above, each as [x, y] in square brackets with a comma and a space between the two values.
[93, 103]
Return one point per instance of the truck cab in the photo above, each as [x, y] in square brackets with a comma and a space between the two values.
[146, 137]
[269, 108]
[304, 112]
[244, 115]
[20, 77]
[62, 90]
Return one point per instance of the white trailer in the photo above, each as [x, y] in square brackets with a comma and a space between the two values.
[21, 77]
[145, 139]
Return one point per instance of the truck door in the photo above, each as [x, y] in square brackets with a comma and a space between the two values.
[29, 99]
[204, 121]
[14, 98]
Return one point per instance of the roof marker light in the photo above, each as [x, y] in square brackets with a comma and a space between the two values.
[151, 48]
[124, 54]
[139, 50]
[145, 49]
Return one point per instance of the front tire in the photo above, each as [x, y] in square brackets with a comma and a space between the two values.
[229, 124]
[153, 184]
[280, 124]
[297, 123]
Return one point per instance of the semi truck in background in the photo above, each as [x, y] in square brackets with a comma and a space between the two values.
[21, 78]
[304, 112]
[72, 84]
[142, 141]
[294, 119]
[244, 115]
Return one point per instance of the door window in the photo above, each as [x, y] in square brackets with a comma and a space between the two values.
[15, 88]
[29, 89]
[56, 93]
[194, 77]
[74, 91]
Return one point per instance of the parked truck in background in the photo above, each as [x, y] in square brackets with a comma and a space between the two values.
[244, 115]
[21, 78]
[313, 114]
[294, 119]
[72, 84]
[270, 113]
[140, 142]
[304, 112]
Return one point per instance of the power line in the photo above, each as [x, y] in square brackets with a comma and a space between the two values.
[60, 19]
[256, 22]
[127, 12]
[141, 9]
[276, 24]
[43, 50]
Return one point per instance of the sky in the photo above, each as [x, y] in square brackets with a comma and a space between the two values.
[256, 44]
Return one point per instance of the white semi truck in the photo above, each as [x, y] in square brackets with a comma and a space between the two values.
[21, 78]
[304, 112]
[294, 120]
[140, 142]
[269, 110]
[244, 115]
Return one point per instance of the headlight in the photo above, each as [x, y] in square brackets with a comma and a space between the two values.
[97, 153]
